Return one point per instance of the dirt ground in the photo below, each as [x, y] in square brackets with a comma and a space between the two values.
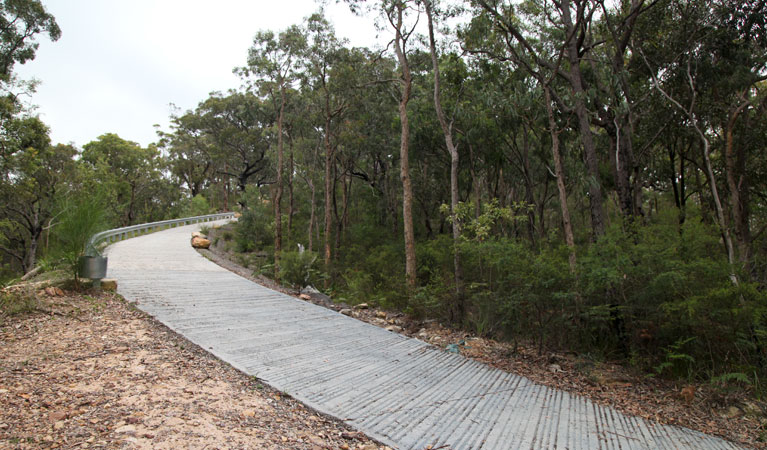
[732, 414]
[89, 371]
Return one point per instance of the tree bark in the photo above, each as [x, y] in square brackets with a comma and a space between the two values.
[328, 192]
[584, 125]
[560, 173]
[278, 188]
[406, 83]
[460, 309]
[737, 184]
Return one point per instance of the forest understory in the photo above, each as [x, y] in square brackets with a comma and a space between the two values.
[735, 414]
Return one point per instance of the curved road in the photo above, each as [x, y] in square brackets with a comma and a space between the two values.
[399, 390]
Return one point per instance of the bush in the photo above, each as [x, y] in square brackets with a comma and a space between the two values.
[195, 206]
[80, 217]
[299, 269]
[255, 229]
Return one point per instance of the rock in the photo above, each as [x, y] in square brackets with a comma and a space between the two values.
[126, 429]
[197, 234]
[237, 215]
[394, 329]
[249, 413]
[59, 292]
[369, 447]
[50, 291]
[362, 306]
[733, 412]
[55, 416]
[752, 409]
[305, 297]
[58, 425]
[555, 368]
[344, 446]
[310, 290]
[198, 242]
[381, 314]
[109, 284]
[346, 312]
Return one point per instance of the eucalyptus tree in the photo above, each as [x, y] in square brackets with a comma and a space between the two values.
[128, 172]
[323, 57]
[274, 61]
[452, 148]
[239, 125]
[190, 151]
[396, 13]
[711, 71]
[36, 173]
[520, 33]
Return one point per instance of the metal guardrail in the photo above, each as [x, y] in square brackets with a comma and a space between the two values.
[118, 234]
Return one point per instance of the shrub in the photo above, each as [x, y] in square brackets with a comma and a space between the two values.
[299, 269]
[195, 206]
[80, 217]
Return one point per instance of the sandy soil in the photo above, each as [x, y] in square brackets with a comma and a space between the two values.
[89, 371]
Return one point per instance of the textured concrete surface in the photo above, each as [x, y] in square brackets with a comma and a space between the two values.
[401, 391]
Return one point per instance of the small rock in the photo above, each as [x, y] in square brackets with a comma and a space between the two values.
[305, 297]
[752, 409]
[344, 446]
[59, 292]
[346, 312]
[198, 242]
[555, 368]
[381, 314]
[3, 426]
[148, 436]
[126, 429]
[362, 306]
[310, 290]
[50, 291]
[58, 425]
[733, 412]
[109, 284]
[249, 413]
[56, 416]
[369, 447]
[394, 329]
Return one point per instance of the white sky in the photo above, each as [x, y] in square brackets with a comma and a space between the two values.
[120, 63]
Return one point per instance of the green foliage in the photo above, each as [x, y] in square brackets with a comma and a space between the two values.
[299, 269]
[255, 229]
[196, 206]
[17, 302]
[80, 217]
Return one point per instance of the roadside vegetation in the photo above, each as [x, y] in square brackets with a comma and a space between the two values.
[583, 177]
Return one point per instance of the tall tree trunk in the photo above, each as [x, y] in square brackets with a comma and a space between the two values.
[312, 214]
[278, 193]
[328, 192]
[290, 189]
[475, 187]
[737, 184]
[460, 309]
[407, 190]
[559, 171]
[584, 126]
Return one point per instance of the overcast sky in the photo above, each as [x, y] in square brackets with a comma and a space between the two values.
[119, 64]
